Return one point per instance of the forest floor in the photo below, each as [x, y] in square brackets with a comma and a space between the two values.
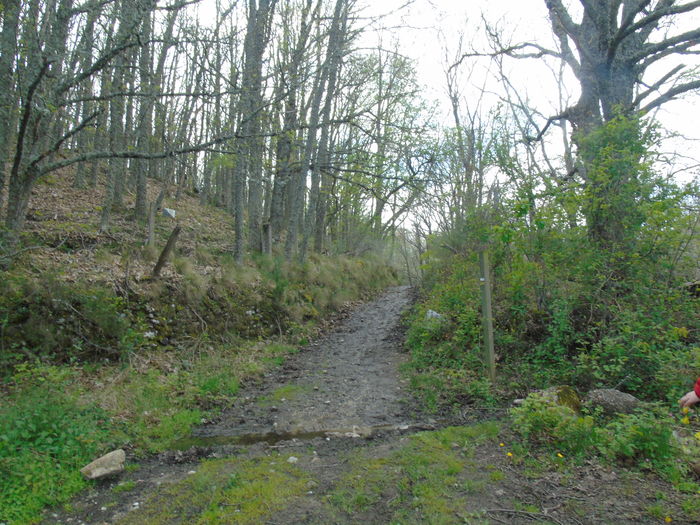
[334, 436]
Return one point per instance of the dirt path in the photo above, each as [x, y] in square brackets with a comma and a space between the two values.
[331, 437]
[347, 380]
[340, 390]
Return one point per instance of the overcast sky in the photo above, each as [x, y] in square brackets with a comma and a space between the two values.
[426, 28]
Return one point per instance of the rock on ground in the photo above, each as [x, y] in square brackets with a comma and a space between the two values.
[613, 401]
[107, 465]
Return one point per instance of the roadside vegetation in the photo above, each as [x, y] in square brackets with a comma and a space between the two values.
[571, 312]
[97, 355]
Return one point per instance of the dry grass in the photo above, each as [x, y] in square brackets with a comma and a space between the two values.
[63, 224]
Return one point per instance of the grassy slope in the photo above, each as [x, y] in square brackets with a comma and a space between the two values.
[96, 355]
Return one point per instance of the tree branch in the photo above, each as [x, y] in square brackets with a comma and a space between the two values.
[671, 94]
[656, 85]
[70, 133]
[685, 40]
[663, 9]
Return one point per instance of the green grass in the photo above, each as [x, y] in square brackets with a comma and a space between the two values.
[285, 392]
[419, 483]
[225, 491]
[45, 438]
[124, 487]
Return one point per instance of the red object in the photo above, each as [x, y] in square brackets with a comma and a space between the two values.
[697, 388]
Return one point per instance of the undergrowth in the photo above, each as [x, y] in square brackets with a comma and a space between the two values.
[46, 435]
[86, 367]
[643, 439]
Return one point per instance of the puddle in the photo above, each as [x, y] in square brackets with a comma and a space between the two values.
[272, 438]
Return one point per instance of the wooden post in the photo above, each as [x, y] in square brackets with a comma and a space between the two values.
[486, 314]
[266, 238]
[169, 246]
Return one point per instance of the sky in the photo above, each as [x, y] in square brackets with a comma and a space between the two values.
[425, 29]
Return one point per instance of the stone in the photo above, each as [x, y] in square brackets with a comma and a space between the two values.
[168, 212]
[108, 465]
[432, 314]
[613, 401]
[695, 467]
[563, 395]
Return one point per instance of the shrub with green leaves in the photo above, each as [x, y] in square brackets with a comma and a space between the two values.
[543, 421]
[45, 438]
[641, 439]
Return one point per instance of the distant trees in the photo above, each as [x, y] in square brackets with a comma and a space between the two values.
[255, 106]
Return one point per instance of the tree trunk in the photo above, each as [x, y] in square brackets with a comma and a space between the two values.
[8, 46]
[249, 161]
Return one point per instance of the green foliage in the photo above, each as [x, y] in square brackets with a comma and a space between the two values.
[587, 279]
[618, 178]
[446, 368]
[45, 438]
[444, 388]
[643, 439]
[544, 421]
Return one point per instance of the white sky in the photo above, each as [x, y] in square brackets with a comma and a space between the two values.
[425, 27]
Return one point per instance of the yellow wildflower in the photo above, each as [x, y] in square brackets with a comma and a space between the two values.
[668, 519]
[685, 410]
[501, 444]
[509, 454]
[685, 420]
[560, 455]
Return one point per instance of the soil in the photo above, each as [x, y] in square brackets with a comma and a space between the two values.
[343, 397]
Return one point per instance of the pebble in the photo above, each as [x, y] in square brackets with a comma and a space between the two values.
[192, 472]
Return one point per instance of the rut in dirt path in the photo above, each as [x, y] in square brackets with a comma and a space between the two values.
[348, 381]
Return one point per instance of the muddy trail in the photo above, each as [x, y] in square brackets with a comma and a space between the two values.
[333, 436]
[345, 383]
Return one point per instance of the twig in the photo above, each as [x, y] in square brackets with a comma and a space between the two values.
[201, 321]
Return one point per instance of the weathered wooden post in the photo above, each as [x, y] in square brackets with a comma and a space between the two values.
[266, 238]
[486, 314]
[169, 247]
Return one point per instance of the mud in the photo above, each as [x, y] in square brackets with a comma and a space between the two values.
[348, 379]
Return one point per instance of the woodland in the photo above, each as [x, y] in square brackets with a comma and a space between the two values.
[191, 189]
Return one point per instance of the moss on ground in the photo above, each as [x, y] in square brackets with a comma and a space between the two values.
[234, 491]
[425, 481]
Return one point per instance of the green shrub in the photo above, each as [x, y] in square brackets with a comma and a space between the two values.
[542, 420]
[642, 439]
[45, 438]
